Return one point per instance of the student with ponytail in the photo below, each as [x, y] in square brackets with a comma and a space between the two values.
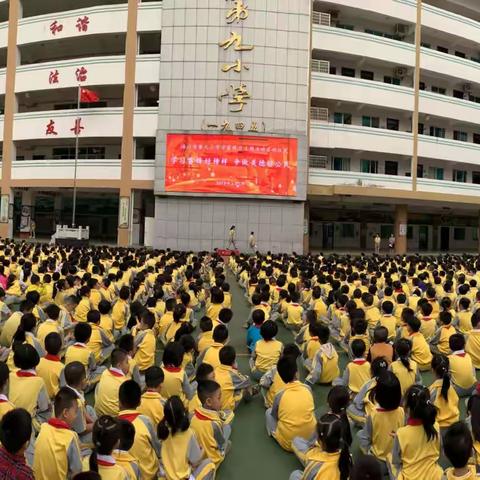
[330, 457]
[106, 438]
[24, 334]
[181, 455]
[442, 393]
[404, 367]
[416, 448]
[376, 436]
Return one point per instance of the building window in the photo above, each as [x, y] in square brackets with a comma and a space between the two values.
[391, 80]
[422, 86]
[460, 54]
[440, 90]
[421, 128]
[419, 170]
[345, 118]
[437, 132]
[459, 233]
[341, 164]
[459, 176]
[373, 122]
[348, 230]
[426, 45]
[391, 168]
[345, 27]
[68, 153]
[458, 94]
[476, 178]
[475, 234]
[386, 231]
[392, 124]
[348, 72]
[333, 70]
[442, 49]
[366, 75]
[460, 136]
[409, 232]
[476, 138]
[436, 173]
[369, 166]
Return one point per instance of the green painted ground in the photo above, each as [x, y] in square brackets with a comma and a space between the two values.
[254, 455]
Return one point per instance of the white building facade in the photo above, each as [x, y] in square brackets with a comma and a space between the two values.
[336, 77]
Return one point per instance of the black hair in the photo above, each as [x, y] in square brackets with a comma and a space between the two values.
[473, 408]
[203, 371]
[148, 318]
[287, 368]
[387, 307]
[220, 334]
[206, 389]
[82, 332]
[268, 330]
[28, 323]
[118, 355]
[441, 366]
[15, 430]
[366, 467]
[53, 343]
[338, 400]
[291, 349]
[456, 342]
[4, 374]
[380, 334]
[105, 437]
[127, 434]
[206, 324]
[173, 354]
[358, 348]
[329, 429]
[93, 316]
[458, 444]
[130, 394]
[64, 399]
[225, 315]
[126, 342]
[417, 401]
[104, 307]
[387, 392]
[227, 355]
[258, 316]
[90, 475]
[378, 366]
[53, 311]
[413, 322]
[175, 418]
[154, 377]
[25, 357]
[403, 347]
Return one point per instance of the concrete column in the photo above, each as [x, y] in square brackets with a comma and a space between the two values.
[306, 229]
[27, 214]
[136, 218]
[401, 222]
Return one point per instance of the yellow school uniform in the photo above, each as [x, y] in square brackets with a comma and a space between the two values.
[294, 315]
[325, 359]
[390, 323]
[205, 340]
[152, 406]
[213, 311]
[471, 475]
[472, 347]
[165, 320]
[447, 410]
[358, 374]
[419, 456]
[120, 312]
[321, 465]
[461, 369]
[365, 338]
[128, 463]
[428, 326]
[145, 448]
[420, 351]
[57, 452]
[446, 331]
[78, 352]
[381, 424]
[82, 309]
[464, 319]
[25, 388]
[320, 308]
[95, 343]
[5, 405]
[405, 377]
[232, 383]
[106, 393]
[46, 327]
[106, 324]
[145, 354]
[372, 315]
[171, 330]
[9, 328]
[296, 418]
[110, 470]
[50, 368]
[211, 354]
[267, 354]
[173, 383]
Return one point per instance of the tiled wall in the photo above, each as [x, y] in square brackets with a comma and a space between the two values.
[191, 78]
[203, 224]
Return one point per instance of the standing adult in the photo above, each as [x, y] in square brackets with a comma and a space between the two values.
[252, 242]
[377, 241]
[232, 237]
[391, 243]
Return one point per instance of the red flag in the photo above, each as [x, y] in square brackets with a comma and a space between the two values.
[88, 96]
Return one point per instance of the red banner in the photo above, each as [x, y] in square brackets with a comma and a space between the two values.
[231, 164]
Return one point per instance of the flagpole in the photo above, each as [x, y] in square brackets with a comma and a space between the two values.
[77, 132]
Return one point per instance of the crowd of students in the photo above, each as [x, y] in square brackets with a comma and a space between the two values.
[147, 332]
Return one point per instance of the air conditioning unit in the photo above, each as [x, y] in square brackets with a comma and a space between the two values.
[400, 72]
[402, 29]
[467, 87]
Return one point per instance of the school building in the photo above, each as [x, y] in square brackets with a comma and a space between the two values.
[329, 121]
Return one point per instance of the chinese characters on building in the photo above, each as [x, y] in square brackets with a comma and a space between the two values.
[227, 126]
[81, 24]
[237, 94]
[50, 128]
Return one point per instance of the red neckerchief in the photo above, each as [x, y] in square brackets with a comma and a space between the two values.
[115, 374]
[53, 358]
[172, 369]
[414, 422]
[129, 417]
[359, 361]
[460, 354]
[57, 423]
[200, 415]
[22, 373]
[103, 463]
[380, 409]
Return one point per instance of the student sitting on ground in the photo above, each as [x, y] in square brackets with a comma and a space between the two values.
[267, 351]
[381, 346]
[324, 367]
[462, 371]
